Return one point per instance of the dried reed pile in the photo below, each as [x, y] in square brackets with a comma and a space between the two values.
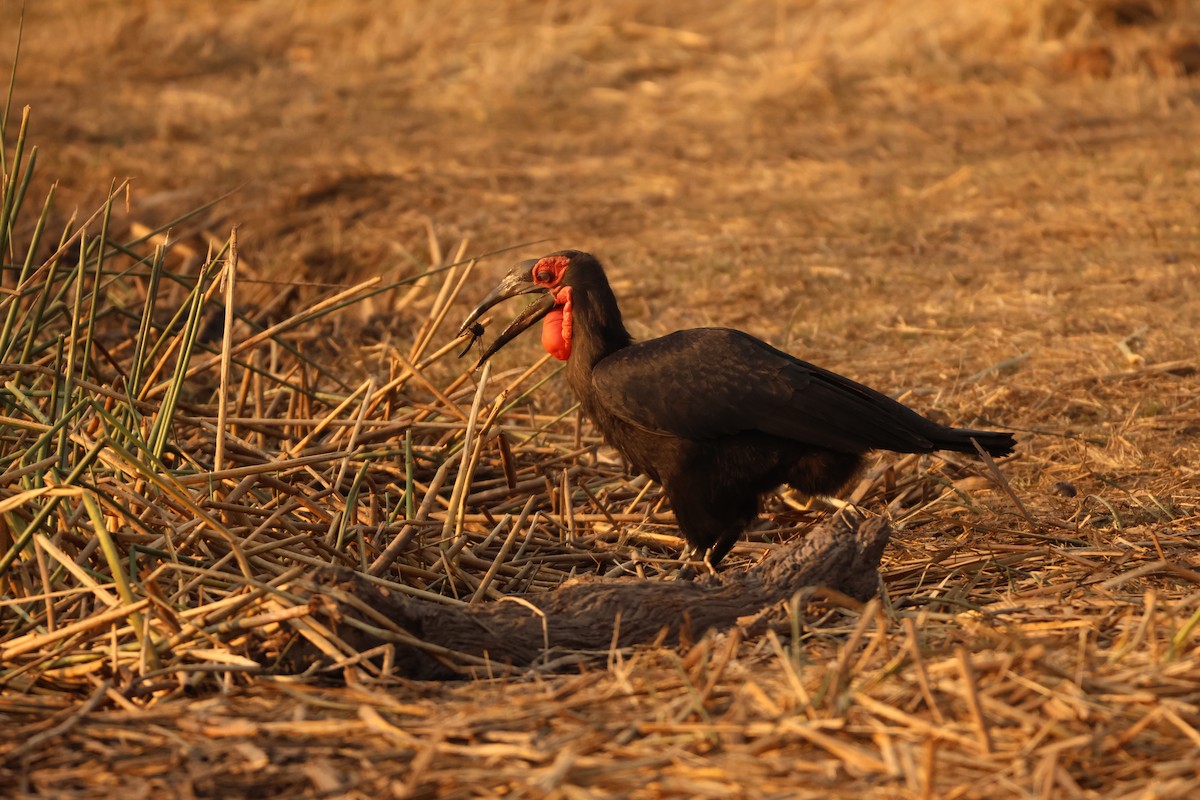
[161, 486]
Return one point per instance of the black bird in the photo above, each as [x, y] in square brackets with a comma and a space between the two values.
[716, 416]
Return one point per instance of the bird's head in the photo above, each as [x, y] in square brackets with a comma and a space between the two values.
[553, 279]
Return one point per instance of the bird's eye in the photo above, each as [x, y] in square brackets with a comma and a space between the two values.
[545, 276]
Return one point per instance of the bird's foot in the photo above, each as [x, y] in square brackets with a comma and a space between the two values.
[686, 570]
[822, 502]
[694, 563]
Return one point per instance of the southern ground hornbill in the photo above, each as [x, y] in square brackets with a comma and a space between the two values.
[716, 416]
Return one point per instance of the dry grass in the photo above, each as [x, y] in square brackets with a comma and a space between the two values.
[992, 204]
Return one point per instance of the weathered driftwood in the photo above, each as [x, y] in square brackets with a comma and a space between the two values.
[584, 617]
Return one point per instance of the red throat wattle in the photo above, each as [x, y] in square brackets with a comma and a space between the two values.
[556, 326]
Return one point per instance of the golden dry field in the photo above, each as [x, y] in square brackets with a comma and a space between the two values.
[989, 209]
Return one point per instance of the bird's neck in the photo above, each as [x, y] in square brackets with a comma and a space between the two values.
[598, 332]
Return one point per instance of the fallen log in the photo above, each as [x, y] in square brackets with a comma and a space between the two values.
[580, 620]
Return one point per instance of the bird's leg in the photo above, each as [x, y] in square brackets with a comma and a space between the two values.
[692, 559]
[687, 569]
[815, 501]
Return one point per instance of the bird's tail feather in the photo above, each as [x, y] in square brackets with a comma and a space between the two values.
[996, 443]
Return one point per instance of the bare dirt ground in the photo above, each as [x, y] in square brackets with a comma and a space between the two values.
[994, 207]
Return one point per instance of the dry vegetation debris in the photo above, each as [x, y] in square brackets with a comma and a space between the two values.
[992, 204]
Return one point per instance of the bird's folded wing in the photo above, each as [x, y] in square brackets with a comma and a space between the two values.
[706, 383]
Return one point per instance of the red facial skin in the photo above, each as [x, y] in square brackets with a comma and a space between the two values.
[556, 326]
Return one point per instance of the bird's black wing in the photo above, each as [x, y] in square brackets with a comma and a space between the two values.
[706, 383]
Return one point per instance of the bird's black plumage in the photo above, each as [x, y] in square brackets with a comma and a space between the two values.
[715, 415]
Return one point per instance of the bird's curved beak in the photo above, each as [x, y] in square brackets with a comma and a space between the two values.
[516, 282]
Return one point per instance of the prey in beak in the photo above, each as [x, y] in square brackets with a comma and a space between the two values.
[518, 281]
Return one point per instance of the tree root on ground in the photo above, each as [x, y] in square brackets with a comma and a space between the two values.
[579, 621]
